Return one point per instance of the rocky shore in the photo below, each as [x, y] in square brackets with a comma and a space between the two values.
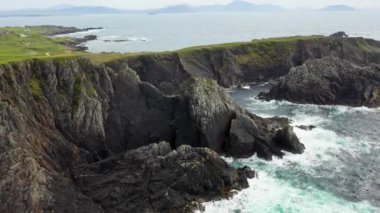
[53, 30]
[329, 80]
[156, 178]
[77, 44]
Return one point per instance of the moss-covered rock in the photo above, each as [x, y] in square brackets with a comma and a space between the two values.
[36, 87]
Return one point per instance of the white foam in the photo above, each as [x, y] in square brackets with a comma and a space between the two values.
[87, 32]
[324, 147]
[110, 37]
[267, 194]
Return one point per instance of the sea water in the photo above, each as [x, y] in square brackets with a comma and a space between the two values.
[338, 172]
[162, 32]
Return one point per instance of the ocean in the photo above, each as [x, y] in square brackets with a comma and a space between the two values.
[162, 32]
[337, 173]
[340, 169]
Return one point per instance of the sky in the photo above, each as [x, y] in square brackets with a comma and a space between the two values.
[148, 4]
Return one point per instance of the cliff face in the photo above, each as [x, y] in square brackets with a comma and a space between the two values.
[252, 62]
[59, 114]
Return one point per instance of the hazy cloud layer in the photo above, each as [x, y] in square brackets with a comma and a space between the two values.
[143, 4]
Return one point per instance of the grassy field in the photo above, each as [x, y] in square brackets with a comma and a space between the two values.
[19, 43]
[22, 43]
[254, 42]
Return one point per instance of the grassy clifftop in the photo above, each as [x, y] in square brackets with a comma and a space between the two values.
[19, 43]
[22, 43]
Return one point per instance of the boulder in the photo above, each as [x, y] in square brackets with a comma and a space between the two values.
[241, 137]
[287, 140]
[330, 81]
[306, 127]
[339, 34]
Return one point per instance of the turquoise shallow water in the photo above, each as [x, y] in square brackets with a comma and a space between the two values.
[337, 173]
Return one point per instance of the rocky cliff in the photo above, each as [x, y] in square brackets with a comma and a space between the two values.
[60, 115]
[67, 125]
[257, 61]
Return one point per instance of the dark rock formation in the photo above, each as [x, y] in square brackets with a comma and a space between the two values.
[287, 140]
[211, 110]
[330, 81]
[218, 123]
[53, 30]
[77, 43]
[157, 179]
[305, 127]
[251, 134]
[339, 34]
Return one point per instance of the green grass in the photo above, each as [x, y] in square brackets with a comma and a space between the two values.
[15, 47]
[107, 57]
[35, 30]
[2, 106]
[254, 42]
[36, 86]
[77, 93]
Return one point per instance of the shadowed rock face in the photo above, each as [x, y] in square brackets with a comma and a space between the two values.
[329, 81]
[156, 178]
[57, 115]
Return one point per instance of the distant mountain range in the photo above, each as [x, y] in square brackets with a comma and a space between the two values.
[338, 8]
[235, 6]
[239, 6]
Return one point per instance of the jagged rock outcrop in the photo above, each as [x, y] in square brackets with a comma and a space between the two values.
[340, 34]
[330, 81]
[250, 134]
[223, 126]
[53, 30]
[58, 114]
[306, 127]
[211, 110]
[76, 44]
[156, 178]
